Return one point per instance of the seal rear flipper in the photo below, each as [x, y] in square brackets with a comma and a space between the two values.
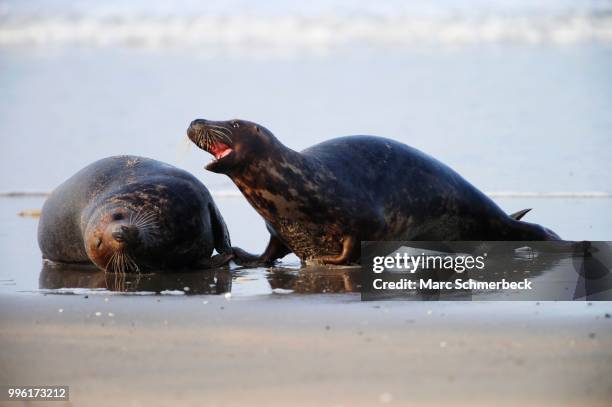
[245, 258]
[275, 250]
[221, 235]
[216, 261]
[519, 215]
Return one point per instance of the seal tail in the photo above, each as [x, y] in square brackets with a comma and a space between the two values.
[532, 231]
[519, 215]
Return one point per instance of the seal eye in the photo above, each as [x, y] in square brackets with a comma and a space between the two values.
[98, 242]
[117, 216]
[235, 125]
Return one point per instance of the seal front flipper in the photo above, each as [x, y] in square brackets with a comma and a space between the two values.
[275, 250]
[348, 255]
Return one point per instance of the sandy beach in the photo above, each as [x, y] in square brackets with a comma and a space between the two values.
[303, 350]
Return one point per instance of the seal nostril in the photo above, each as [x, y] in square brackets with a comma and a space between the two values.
[197, 124]
[118, 236]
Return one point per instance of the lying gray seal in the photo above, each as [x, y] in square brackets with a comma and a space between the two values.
[131, 214]
[322, 202]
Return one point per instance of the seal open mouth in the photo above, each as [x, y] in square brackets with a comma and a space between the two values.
[219, 150]
[212, 141]
[215, 139]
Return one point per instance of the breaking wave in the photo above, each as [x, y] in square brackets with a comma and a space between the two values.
[318, 32]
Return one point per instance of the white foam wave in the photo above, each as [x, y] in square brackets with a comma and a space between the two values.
[303, 32]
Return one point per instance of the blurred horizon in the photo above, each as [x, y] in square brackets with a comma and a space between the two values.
[314, 26]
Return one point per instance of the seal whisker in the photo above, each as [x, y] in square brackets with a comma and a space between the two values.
[109, 262]
[148, 228]
[146, 221]
[117, 263]
[215, 133]
[205, 140]
[145, 218]
[141, 215]
[145, 213]
[138, 216]
[128, 263]
[221, 136]
[115, 266]
[123, 263]
[202, 140]
[149, 223]
[221, 129]
[133, 264]
[134, 219]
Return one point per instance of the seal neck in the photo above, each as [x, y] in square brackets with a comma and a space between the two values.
[282, 168]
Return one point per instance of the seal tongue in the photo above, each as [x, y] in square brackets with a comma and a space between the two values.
[220, 150]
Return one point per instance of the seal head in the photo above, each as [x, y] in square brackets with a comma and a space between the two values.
[234, 143]
[117, 236]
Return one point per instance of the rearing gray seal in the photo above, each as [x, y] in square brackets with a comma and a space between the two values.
[131, 214]
[321, 202]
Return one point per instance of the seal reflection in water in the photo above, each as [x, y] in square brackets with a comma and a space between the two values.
[321, 202]
[133, 214]
[55, 276]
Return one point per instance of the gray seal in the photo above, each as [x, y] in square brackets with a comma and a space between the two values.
[320, 203]
[133, 214]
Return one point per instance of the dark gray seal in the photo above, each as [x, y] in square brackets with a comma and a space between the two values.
[133, 214]
[322, 202]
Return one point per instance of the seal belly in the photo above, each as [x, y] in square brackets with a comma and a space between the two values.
[296, 216]
[306, 239]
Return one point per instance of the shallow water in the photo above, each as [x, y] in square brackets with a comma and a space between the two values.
[24, 270]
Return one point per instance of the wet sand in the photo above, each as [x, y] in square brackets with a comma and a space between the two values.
[304, 349]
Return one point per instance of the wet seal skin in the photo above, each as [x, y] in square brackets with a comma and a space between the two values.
[133, 214]
[320, 203]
